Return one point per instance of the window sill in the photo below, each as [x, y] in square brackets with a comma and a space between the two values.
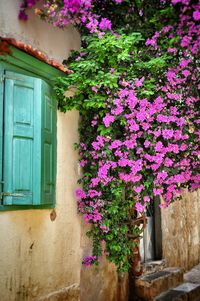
[24, 207]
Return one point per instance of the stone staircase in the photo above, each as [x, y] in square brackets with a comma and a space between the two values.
[168, 284]
[186, 291]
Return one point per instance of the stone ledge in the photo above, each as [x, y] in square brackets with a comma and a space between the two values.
[70, 293]
[172, 296]
[193, 275]
[152, 285]
[191, 289]
[153, 266]
[183, 292]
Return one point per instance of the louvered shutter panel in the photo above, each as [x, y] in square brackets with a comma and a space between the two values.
[49, 110]
[22, 140]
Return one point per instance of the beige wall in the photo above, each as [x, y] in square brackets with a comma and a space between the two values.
[53, 42]
[101, 283]
[181, 231]
[39, 256]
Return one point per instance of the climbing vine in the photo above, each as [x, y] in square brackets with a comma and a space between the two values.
[136, 85]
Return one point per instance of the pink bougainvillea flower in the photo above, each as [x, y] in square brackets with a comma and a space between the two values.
[139, 82]
[196, 15]
[158, 191]
[146, 199]
[105, 24]
[138, 189]
[139, 207]
[108, 119]
[89, 260]
[80, 194]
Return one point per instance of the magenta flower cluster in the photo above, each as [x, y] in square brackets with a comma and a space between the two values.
[156, 145]
[89, 260]
[76, 12]
[159, 152]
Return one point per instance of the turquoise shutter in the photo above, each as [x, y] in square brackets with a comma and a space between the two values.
[1, 127]
[49, 111]
[22, 139]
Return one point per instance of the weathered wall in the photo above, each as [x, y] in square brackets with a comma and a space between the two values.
[181, 231]
[53, 42]
[39, 256]
[101, 283]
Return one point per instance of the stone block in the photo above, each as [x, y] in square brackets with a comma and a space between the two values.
[192, 276]
[172, 295]
[152, 285]
[197, 267]
[191, 289]
[177, 276]
[153, 266]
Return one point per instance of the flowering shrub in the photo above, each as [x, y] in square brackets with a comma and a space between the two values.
[138, 97]
[76, 12]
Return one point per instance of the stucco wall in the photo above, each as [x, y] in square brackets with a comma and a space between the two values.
[181, 231]
[53, 42]
[38, 255]
[102, 282]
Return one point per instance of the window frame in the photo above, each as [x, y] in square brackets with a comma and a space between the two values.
[19, 61]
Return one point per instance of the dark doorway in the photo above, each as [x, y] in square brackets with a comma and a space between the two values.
[151, 243]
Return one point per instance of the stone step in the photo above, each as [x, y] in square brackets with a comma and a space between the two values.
[153, 266]
[184, 292]
[151, 285]
[172, 295]
[193, 275]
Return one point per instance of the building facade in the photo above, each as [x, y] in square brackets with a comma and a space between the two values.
[42, 237]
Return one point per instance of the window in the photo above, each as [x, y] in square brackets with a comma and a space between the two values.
[27, 138]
